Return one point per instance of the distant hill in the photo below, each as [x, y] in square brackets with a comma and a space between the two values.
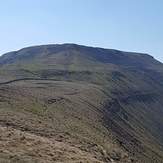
[73, 103]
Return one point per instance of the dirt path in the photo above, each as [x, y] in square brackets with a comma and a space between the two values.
[25, 79]
[18, 146]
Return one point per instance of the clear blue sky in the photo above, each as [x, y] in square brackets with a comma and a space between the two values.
[131, 25]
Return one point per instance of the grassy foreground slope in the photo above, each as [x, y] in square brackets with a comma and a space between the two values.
[99, 105]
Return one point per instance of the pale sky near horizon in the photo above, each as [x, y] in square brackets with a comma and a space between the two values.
[130, 25]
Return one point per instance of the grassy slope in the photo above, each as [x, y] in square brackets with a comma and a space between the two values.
[68, 111]
[104, 97]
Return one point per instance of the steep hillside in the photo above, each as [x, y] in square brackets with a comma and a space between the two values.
[75, 103]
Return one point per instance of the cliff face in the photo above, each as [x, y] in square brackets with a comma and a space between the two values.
[105, 104]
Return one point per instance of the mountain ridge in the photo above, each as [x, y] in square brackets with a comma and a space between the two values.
[75, 45]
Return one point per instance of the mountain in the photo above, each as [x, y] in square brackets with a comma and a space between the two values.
[73, 103]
